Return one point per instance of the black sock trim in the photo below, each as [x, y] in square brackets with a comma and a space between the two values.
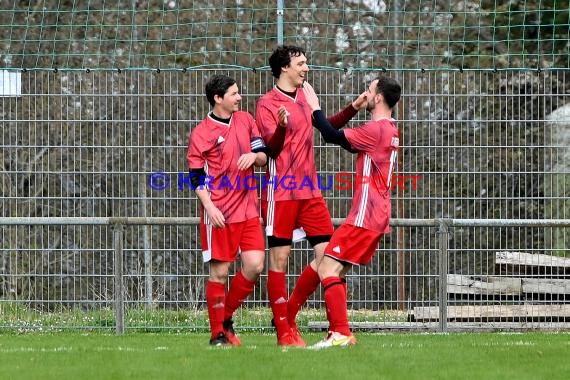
[333, 284]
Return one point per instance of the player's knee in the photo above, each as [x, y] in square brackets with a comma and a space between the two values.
[255, 269]
[252, 263]
[219, 273]
[278, 263]
[279, 258]
[221, 277]
[329, 267]
[252, 271]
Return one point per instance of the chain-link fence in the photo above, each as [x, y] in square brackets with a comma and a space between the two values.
[475, 145]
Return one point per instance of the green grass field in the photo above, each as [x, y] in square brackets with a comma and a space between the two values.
[92, 355]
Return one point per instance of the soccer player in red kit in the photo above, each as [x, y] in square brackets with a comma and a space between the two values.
[222, 151]
[356, 240]
[291, 199]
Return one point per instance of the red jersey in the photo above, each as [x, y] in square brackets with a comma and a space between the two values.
[216, 147]
[292, 175]
[377, 145]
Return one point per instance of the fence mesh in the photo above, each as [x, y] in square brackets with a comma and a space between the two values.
[476, 145]
[355, 34]
[98, 95]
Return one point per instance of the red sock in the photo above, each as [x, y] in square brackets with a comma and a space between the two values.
[277, 293]
[216, 299]
[240, 289]
[335, 300]
[306, 285]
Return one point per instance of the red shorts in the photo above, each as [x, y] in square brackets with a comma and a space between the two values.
[224, 244]
[282, 217]
[354, 245]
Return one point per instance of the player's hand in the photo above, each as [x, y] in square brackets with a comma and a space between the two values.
[246, 160]
[216, 217]
[360, 102]
[311, 96]
[282, 114]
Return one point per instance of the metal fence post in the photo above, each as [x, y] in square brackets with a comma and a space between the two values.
[443, 239]
[147, 267]
[280, 4]
[119, 288]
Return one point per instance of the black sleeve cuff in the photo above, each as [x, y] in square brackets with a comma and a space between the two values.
[197, 178]
[263, 149]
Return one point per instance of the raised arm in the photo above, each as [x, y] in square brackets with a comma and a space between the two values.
[340, 119]
[330, 135]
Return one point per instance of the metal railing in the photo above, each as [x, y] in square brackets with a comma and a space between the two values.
[443, 225]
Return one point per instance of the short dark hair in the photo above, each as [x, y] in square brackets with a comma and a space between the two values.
[390, 90]
[218, 85]
[281, 57]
